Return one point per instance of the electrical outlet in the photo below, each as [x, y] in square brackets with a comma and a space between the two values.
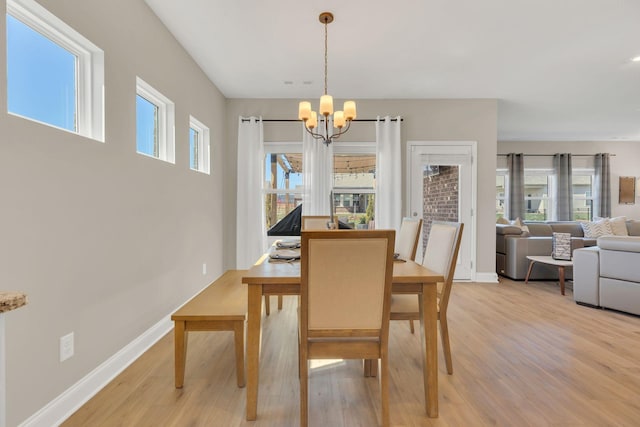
[204, 268]
[66, 347]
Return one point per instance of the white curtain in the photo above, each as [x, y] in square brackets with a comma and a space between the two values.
[317, 159]
[251, 235]
[388, 213]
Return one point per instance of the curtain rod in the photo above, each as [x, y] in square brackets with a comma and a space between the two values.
[297, 120]
[551, 155]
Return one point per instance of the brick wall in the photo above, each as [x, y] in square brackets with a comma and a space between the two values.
[440, 198]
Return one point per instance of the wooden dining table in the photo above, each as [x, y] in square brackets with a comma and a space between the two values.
[283, 278]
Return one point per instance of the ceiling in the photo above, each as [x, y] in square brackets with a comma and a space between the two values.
[560, 69]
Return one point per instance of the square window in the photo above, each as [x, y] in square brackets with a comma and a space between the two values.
[155, 118]
[198, 146]
[55, 76]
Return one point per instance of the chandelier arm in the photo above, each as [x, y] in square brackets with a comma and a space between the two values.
[313, 134]
[342, 131]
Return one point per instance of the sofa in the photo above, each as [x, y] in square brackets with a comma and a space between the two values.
[607, 275]
[514, 243]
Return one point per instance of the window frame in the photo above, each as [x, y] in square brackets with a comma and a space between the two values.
[203, 149]
[165, 122]
[90, 121]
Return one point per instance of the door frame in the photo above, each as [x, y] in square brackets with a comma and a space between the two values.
[469, 229]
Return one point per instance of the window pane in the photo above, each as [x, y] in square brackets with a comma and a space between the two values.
[41, 77]
[536, 190]
[194, 137]
[354, 171]
[278, 205]
[354, 208]
[582, 197]
[500, 183]
[146, 127]
[283, 177]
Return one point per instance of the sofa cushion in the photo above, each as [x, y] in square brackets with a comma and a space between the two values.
[539, 229]
[573, 228]
[596, 229]
[633, 227]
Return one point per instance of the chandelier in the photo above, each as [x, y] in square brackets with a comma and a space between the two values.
[340, 118]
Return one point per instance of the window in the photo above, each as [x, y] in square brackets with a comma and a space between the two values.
[198, 146]
[537, 202]
[582, 180]
[354, 183]
[55, 76]
[283, 180]
[155, 118]
[501, 178]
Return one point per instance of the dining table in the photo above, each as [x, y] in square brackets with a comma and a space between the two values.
[273, 277]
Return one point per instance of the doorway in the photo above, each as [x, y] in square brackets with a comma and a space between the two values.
[442, 187]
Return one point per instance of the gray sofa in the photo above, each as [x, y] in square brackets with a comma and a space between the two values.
[608, 275]
[513, 246]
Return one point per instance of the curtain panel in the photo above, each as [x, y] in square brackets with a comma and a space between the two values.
[251, 234]
[388, 209]
[564, 186]
[515, 184]
[602, 187]
[317, 170]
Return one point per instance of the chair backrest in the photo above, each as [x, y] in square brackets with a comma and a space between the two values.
[346, 283]
[317, 222]
[441, 255]
[408, 238]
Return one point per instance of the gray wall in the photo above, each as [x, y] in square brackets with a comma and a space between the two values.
[424, 120]
[624, 163]
[104, 241]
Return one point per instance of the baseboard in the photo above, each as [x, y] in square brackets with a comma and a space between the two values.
[63, 406]
[491, 277]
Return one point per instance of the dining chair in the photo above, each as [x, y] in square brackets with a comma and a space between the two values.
[308, 222]
[408, 238]
[440, 256]
[345, 295]
[407, 243]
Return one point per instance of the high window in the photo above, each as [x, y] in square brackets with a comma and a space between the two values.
[55, 76]
[198, 146]
[155, 121]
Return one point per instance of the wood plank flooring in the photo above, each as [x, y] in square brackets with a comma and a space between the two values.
[523, 355]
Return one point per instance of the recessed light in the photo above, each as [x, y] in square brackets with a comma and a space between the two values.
[636, 59]
[288, 82]
[307, 82]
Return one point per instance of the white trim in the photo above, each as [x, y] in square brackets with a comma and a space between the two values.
[89, 65]
[63, 406]
[166, 120]
[483, 277]
[203, 144]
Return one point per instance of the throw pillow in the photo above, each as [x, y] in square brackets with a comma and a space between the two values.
[618, 225]
[502, 220]
[593, 230]
[518, 223]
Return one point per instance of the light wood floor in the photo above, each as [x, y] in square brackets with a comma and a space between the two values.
[523, 355]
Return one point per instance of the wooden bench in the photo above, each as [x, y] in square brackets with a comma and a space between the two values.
[221, 306]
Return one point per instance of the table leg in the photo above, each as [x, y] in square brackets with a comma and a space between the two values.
[526, 279]
[180, 354]
[429, 334]
[561, 274]
[254, 314]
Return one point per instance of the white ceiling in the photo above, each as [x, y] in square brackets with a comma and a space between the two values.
[561, 69]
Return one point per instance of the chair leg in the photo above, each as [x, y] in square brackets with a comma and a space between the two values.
[279, 302]
[303, 366]
[384, 390]
[444, 334]
[267, 305]
[411, 326]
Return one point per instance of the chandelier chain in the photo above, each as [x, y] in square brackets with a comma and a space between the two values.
[325, 56]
